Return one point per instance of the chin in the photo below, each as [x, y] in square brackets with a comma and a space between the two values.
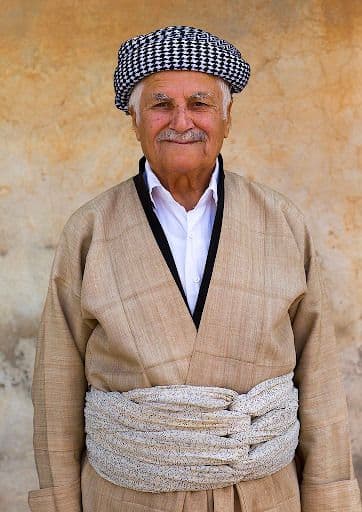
[184, 157]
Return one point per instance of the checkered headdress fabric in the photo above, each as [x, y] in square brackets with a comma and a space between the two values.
[177, 48]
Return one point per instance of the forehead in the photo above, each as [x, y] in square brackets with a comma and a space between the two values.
[181, 83]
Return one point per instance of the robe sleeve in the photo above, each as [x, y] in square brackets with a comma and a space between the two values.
[59, 382]
[328, 482]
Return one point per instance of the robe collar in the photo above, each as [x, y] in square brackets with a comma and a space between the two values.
[153, 182]
[161, 239]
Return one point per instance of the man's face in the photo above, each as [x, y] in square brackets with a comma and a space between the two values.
[181, 123]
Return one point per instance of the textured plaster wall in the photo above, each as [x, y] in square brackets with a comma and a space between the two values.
[297, 127]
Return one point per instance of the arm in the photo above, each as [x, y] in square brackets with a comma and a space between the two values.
[328, 483]
[59, 384]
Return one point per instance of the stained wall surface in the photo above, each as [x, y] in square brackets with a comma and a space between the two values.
[297, 127]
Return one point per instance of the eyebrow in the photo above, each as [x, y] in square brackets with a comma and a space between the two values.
[200, 95]
[159, 96]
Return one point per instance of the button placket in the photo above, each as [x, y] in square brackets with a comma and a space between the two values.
[188, 257]
[191, 277]
[194, 226]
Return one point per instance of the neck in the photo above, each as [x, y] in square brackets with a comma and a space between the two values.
[185, 188]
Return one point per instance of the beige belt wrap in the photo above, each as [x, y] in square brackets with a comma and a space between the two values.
[181, 437]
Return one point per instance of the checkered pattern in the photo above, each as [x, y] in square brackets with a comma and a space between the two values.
[177, 48]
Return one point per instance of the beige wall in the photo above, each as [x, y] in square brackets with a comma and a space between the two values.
[297, 127]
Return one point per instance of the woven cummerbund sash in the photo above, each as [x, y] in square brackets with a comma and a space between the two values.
[181, 437]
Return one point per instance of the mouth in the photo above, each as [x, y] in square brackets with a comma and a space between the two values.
[183, 143]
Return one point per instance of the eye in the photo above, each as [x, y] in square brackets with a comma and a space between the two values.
[200, 105]
[161, 104]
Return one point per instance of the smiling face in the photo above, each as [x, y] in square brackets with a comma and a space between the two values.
[180, 122]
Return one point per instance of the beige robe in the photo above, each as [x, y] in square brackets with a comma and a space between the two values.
[115, 319]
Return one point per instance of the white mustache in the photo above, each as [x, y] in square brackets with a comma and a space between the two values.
[189, 136]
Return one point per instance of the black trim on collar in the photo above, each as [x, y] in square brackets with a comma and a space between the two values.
[161, 239]
[156, 227]
[214, 243]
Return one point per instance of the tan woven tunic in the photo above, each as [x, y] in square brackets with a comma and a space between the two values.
[115, 319]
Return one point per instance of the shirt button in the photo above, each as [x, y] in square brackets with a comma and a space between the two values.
[196, 279]
[190, 236]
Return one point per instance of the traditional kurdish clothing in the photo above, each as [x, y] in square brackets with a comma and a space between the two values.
[188, 233]
[116, 319]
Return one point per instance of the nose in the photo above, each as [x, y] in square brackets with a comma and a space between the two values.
[181, 120]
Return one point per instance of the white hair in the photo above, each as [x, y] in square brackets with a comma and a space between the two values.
[135, 98]
[226, 96]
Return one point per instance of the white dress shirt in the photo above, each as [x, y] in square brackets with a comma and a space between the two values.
[188, 232]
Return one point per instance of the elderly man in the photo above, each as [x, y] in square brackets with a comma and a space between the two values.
[186, 360]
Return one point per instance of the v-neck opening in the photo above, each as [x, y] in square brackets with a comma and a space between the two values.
[164, 246]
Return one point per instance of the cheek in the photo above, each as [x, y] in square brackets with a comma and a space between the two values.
[156, 122]
[213, 126]
[215, 134]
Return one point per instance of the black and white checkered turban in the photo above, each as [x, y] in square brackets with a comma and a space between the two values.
[177, 48]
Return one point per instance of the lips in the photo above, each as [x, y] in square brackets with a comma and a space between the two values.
[183, 143]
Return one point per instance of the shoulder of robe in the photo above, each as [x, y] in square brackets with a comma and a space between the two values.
[277, 203]
[93, 217]
[90, 224]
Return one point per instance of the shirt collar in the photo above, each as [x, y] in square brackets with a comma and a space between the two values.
[153, 182]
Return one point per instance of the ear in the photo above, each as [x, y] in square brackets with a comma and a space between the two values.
[228, 120]
[134, 122]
